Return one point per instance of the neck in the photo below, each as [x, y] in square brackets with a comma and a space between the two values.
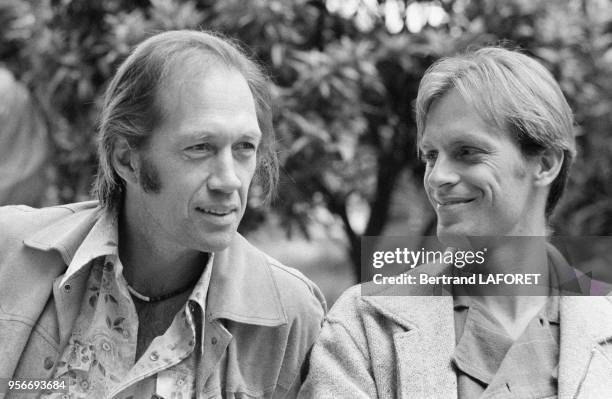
[514, 305]
[516, 255]
[153, 266]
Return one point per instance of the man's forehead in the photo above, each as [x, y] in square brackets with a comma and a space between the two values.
[452, 115]
[183, 82]
[185, 70]
[207, 100]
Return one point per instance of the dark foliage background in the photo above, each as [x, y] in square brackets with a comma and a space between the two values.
[346, 73]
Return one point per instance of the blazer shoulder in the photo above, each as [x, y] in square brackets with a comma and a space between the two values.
[406, 304]
[349, 307]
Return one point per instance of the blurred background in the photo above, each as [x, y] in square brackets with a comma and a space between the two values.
[345, 76]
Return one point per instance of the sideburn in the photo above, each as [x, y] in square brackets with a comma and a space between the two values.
[149, 176]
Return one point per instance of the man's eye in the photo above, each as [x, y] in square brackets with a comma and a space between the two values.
[468, 153]
[429, 157]
[245, 146]
[202, 147]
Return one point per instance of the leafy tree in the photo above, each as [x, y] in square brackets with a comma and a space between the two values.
[345, 77]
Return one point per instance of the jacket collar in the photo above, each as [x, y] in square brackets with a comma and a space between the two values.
[67, 234]
[417, 312]
[242, 287]
[423, 351]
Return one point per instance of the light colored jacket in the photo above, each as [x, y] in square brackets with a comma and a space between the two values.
[261, 319]
[401, 347]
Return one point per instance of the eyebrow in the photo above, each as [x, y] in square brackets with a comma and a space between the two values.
[204, 134]
[463, 139]
[471, 141]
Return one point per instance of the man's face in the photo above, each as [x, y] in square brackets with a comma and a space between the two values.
[476, 178]
[196, 170]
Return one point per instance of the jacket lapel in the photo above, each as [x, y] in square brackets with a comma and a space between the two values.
[585, 360]
[423, 350]
[242, 287]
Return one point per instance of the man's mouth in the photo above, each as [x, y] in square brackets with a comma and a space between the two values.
[447, 202]
[216, 211]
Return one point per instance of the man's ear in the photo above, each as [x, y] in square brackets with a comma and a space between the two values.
[125, 161]
[549, 164]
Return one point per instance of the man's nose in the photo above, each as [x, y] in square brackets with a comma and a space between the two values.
[442, 172]
[223, 175]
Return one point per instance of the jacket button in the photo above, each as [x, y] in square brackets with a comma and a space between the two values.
[214, 340]
[48, 363]
[154, 356]
[67, 288]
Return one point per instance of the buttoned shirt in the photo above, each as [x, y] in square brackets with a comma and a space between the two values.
[100, 356]
[490, 364]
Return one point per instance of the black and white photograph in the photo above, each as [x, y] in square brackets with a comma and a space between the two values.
[306, 199]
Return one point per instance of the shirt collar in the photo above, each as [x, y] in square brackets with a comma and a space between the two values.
[242, 285]
[198, 295]
[79, 238]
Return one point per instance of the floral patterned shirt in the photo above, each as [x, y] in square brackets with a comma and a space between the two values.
[99, 359]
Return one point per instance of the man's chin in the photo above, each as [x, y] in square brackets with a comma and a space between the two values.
[454, 235]
[216, 242]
